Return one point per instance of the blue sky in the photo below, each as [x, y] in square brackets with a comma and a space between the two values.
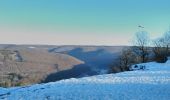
[87, 22]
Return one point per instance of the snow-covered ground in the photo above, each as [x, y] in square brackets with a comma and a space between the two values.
[153, 83]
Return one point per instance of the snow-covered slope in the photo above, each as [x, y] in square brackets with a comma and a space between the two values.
[153, 83]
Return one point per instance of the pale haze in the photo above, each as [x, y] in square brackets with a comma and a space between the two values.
[80, 22]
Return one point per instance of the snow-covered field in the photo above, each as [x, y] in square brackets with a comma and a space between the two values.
[153, 83]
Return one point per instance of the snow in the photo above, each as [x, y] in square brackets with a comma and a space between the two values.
[152, 83]
[31, 47]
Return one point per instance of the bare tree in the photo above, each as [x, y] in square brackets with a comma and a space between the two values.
[124, 61]
[141, 43]
[166, 41]
[160, 50]
[161, 47]
[127, 58]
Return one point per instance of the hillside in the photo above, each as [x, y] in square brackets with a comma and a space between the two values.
[32, 67]
[29, 64]
[99, 58]
[153, 83]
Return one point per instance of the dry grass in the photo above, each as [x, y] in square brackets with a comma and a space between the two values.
[36, 65]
